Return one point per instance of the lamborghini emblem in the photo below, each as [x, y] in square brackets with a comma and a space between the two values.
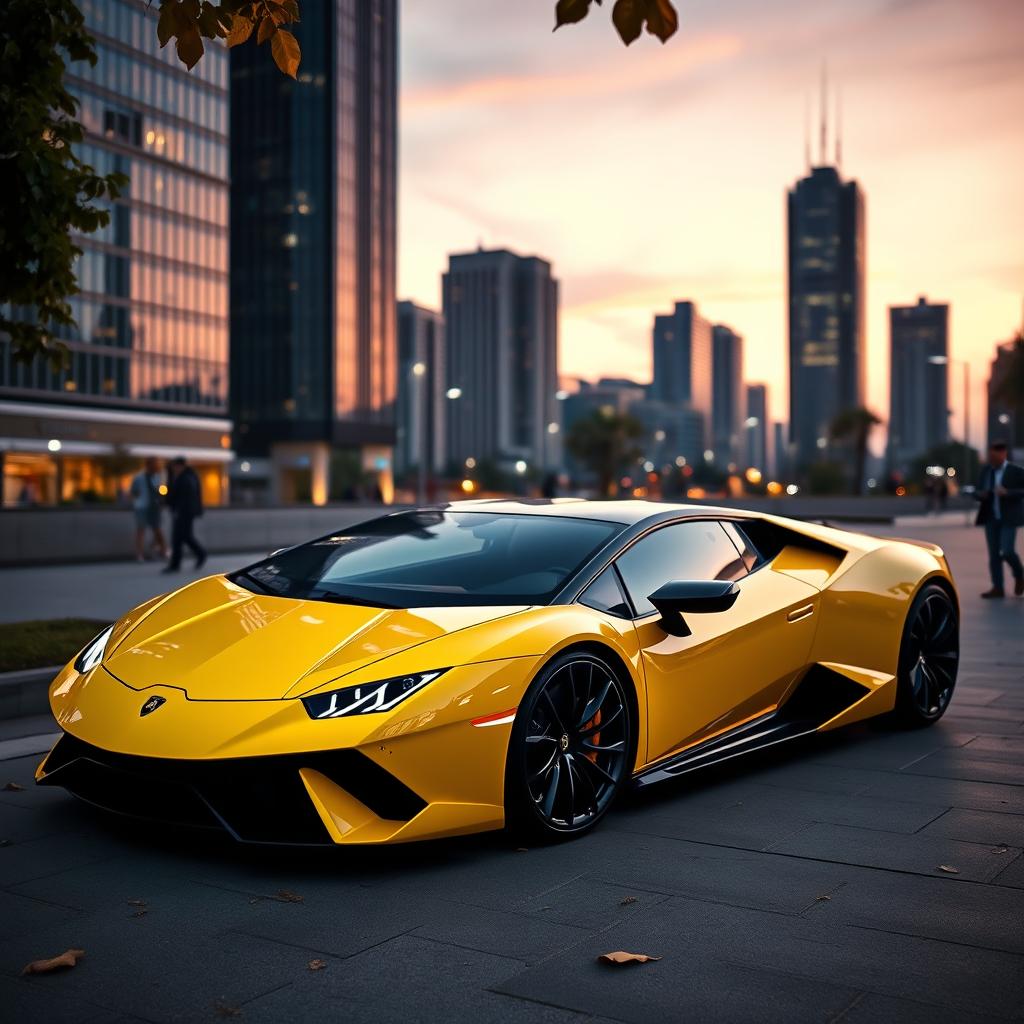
[151, 705]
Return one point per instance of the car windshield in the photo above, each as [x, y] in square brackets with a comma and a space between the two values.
[433, 558]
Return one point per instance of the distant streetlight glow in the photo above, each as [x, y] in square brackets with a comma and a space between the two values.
[751, 422]
[453, 393]
[561, 395]
[792, 489]
[418, 369]
[471, 463]
[54, 445]
[520, 466]
[553, 428]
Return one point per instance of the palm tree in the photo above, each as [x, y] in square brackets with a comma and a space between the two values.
[604, 443]
[855, 425]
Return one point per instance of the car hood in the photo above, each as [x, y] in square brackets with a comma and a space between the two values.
[218, 641]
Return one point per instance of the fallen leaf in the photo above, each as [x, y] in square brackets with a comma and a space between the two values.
[629, 899]
[948, 869]
[222, 1009]
[287, 896]
[13, 787]
[140, 913]
[68, 958]
[1001, 848]
[317, 965]
[136, 903]
[620, 957]
[820, 898]
[5, 842]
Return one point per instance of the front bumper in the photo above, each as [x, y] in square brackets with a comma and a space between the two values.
[263, 771]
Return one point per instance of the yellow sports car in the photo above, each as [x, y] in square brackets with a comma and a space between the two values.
[488, 663]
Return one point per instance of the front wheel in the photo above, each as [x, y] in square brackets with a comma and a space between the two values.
[929, 656]
[570, 750]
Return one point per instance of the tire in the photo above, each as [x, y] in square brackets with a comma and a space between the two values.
[929, 656]
[571, 749]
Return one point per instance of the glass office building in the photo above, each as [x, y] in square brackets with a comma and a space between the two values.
[826, 266]
[148, 369]
[313, 173]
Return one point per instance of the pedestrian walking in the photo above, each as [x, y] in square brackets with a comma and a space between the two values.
[145, 497]
[1001, 493]
[185, 499]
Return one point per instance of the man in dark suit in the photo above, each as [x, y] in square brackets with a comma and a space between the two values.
[185, 498]
[1001, 493]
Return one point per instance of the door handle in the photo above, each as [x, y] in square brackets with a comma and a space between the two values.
[800, 613]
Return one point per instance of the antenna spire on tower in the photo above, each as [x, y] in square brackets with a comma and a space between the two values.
[839, 128]
[823, 140]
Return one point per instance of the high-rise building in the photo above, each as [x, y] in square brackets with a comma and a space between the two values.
[313, 166]
[918, 381]
[501, 326]
[683, 362]
[781, 467]
[727, 398]
[148, 359]
[826, 261]
[421, 411]
[755, 427]
[1006, 421]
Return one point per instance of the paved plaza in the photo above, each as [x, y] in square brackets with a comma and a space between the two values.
[869, 875]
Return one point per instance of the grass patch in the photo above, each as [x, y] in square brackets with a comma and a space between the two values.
[39, 644]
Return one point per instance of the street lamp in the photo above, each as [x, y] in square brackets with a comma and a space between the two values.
[418, 372]
[966, 366]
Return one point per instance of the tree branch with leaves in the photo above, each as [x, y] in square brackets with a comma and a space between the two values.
[630, 17]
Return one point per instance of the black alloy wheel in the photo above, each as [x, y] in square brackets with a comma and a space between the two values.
[571, 748]
[929, 656]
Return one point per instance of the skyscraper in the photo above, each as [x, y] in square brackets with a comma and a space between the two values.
[727, 397]
[1005, 421]
[755, 428]
[918, 381]
[313, 247]
[501, 326]
[421, 411]
[148, 371]
[683, 362]
[826, 263]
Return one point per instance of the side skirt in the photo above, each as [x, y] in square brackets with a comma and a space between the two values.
[818, 697]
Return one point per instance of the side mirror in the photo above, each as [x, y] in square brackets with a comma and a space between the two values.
[687, 597]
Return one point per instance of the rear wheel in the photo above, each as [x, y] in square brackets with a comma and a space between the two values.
[571, 748]
[929, 656]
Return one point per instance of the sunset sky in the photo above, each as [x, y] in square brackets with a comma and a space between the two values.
[657, 173]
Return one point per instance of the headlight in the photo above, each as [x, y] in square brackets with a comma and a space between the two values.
[92, 653]
[367, 698]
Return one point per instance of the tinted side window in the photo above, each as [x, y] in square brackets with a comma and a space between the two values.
[748, 553]
[684, 551]
[606, 595]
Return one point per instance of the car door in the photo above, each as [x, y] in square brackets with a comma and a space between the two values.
[735, 664]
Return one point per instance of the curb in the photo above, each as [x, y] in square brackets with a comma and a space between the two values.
[26, 692]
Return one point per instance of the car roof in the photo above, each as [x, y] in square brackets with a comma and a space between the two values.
[626, 513]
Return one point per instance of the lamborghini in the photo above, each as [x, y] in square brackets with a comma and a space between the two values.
[488, 664]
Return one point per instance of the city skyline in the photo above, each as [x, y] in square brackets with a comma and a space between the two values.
[924, 84]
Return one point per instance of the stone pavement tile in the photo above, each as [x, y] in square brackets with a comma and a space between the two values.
[969, 692]
[162, 967]
[25, 861]
[20, 915]
[21, 825]
[929, 908]
[979, 827]
[1012, 875]
[707, 947]
[881, 748]
[42, 1000]
[407, 981]
[502, 933]
[593, 904]
[1003, 716]
[965, 721]
[871, 1008]
[761, 803]
[759, 881]
[109, 884]
[978, 796]
[917, 854]
[997, 748]
[959, 764]
[1012, 701]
